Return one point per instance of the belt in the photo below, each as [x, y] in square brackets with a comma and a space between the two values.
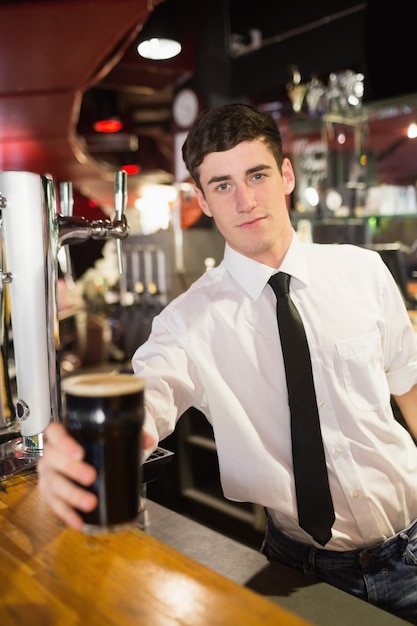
[296, 551]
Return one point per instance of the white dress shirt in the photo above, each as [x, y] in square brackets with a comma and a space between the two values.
[216, 347]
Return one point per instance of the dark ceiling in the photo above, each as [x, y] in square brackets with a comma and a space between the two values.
[145, 89]
[58, 58]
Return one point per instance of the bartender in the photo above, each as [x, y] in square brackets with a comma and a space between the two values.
[216, 347]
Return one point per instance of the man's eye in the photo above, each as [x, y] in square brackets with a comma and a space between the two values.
[258, 176]
[222, 186]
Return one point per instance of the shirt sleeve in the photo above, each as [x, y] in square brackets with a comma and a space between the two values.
[169, 375]
[400, 340]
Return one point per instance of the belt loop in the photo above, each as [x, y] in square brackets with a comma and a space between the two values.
[310, 566]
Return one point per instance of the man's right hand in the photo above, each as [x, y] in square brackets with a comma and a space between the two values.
[63, 463]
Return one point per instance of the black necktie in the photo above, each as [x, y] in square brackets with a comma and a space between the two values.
[314, 500]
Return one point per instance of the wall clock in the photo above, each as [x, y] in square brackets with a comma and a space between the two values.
[185, 108]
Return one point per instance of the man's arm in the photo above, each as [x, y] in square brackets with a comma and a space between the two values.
[407, 403]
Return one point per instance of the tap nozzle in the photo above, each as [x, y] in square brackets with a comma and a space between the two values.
[66, 206]
[120, 203]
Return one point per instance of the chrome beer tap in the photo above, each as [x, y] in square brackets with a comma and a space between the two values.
[74, 229]
[33, 233]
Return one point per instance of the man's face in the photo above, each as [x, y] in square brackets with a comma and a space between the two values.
[245, 194]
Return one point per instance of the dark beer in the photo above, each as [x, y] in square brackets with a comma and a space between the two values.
[104, 412]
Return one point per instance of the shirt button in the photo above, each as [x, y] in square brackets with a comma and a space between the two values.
[338, 450]
[322, 403]
[356, 495]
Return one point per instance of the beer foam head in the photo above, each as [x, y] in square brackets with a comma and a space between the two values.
[102, 385]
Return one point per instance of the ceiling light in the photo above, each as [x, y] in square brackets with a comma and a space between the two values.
[158, 49]
[412, 131]
[159, 38]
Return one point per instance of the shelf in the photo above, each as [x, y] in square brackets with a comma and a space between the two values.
[201, 442]
[221, 505]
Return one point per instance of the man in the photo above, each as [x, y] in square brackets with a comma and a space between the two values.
[216, 347]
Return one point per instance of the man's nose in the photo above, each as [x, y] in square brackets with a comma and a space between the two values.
[245, 198]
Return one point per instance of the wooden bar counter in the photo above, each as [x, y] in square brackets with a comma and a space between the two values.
[51, 575]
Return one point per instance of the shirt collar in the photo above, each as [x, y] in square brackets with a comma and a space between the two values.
[252, 276]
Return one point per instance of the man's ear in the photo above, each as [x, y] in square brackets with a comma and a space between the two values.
[288, 176]
[202, 202]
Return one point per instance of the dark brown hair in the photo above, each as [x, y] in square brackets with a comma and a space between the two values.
[222, 128]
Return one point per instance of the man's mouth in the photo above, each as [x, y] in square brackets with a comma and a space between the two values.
[251, 222]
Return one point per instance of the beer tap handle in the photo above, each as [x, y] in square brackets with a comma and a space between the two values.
[66, 209]
[120, 207]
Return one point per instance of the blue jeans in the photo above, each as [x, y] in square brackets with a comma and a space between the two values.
[384, 574]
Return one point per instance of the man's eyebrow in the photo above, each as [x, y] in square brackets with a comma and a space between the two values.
[252, 170]
[218, 179]
[258, 168]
